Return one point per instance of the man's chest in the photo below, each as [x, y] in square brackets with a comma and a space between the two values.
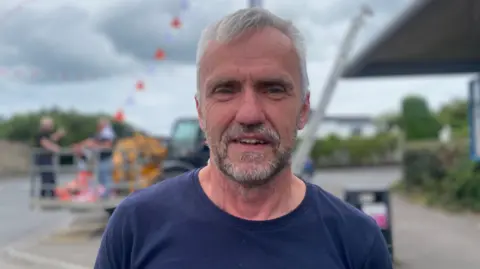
[232, 249]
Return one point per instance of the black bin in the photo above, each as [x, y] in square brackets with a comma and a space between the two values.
[374, 201]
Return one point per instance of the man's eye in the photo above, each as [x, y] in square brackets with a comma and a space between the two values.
[224, 90]
[275, 90]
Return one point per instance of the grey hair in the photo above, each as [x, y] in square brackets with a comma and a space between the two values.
[239, 22]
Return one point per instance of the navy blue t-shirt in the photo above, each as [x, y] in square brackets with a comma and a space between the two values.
[174, 225]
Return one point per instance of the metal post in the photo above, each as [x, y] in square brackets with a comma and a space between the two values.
[34, 192]
[308, 138]
[255, 3]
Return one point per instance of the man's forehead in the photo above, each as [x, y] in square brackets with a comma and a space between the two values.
[252, 42]
[234, 73]
[256, 49]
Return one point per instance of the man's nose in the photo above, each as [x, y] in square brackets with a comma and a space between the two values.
[250, 111]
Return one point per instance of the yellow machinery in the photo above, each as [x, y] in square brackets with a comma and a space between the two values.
[138, 159]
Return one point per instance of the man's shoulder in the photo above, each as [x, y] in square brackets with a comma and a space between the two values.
[341, 214]
[162, 195]
[349, 227]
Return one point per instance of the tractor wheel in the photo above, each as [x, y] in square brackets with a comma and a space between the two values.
[110, 211]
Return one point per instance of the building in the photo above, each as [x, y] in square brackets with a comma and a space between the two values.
[414, 45]
[345, 126]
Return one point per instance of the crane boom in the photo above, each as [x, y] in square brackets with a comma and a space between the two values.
[308, 138]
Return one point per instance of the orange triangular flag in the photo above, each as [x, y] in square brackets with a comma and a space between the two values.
[159, 54]
[140, 85]
[119, 116]
[176, 23]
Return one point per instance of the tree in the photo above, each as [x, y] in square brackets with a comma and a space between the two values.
[455, 114]
[23, 127]
[417, 120]
[387, 121]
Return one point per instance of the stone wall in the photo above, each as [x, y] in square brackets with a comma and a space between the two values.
[14, 158]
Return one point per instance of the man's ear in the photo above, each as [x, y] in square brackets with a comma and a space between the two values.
[304, 112]
[199, 112]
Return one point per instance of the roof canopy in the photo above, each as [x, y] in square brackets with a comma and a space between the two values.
[432, 37]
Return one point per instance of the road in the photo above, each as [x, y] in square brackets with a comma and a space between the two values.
[17, 220]
[423, 238]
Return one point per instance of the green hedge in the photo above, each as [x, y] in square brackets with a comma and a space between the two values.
[23, 127]
[443, 173]
[355, 151]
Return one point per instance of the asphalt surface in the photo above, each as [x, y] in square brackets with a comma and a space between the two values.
[423, 238]
[17, 220]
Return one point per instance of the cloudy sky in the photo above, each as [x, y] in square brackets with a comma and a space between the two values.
[89, 55]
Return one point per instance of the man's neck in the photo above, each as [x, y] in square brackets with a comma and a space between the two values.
[276, 198]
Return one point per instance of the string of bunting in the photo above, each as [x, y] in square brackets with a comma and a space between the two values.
[35, 73]
[159, 55]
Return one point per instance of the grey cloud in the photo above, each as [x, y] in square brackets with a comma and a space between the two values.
[140, 29]
[72, 43]
[58, 45]
[346, 9]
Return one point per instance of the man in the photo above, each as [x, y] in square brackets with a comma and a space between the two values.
[46, 146]
[102, 143]
[308, 169]
[245, 208]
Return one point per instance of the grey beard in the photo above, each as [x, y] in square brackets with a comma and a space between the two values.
[258, 175]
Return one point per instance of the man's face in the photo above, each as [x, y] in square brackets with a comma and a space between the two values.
[251, 105]
[100, 125]
[48, 125]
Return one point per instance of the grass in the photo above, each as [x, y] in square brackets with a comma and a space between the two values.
[430, 199]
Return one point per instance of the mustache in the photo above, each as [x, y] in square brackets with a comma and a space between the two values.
[237, 131]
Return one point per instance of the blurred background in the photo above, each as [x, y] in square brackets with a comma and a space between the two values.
[401, 116]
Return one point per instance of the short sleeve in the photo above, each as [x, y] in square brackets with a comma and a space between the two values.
[115, 247]
[378, 256]
[107, 134]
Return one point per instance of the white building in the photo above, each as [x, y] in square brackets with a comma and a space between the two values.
[345, 126]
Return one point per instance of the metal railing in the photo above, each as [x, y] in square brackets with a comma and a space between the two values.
[49, 178]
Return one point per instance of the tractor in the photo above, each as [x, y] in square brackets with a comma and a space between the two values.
[186, 146]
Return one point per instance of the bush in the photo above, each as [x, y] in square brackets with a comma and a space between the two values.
[23, 127]
[354, 151]
[419, 166]
[417, 121]
[444, 174]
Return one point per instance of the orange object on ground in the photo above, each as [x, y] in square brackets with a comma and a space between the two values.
[78, 185]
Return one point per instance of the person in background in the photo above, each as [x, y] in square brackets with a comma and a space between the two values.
[46, 141]
[308, 169]
[102, 142]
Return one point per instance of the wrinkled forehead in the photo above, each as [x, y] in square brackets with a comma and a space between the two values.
[263, 54]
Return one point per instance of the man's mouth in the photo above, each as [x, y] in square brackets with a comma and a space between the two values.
[251, 141]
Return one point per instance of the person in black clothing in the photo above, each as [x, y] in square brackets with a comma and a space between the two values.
[46, 141]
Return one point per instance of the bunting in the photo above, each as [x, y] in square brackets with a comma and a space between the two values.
[158, 55]
[33, 73]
